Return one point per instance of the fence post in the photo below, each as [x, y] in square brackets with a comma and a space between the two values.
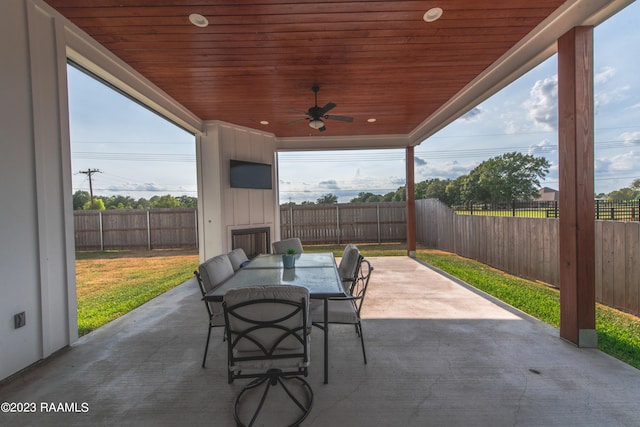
[597, 209]
[148, 230]
[378, 220]
[338, 222]
[513, 208]
[101, 231]
[195, 216]
[290, 221]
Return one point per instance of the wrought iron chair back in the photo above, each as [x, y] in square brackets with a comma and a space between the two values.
[268, 340]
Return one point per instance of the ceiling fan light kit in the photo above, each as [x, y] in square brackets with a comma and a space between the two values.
[316, 123]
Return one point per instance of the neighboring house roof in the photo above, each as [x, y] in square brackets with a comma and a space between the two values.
[548, 194]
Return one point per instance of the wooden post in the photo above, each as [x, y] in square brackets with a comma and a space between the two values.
[575, 155]
[411, 205]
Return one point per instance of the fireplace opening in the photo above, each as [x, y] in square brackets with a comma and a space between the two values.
[254, 241]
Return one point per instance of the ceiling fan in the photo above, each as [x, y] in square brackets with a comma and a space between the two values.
[315, 114]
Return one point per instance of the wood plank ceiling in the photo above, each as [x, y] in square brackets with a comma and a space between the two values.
[257, 62]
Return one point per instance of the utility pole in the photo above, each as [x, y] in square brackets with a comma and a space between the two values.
[89, 173]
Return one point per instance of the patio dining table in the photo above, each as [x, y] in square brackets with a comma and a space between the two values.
[317, 272]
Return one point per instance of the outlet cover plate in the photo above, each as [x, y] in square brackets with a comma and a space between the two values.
[19, 320]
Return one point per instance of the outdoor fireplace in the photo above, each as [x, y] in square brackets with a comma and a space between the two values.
[253, 241]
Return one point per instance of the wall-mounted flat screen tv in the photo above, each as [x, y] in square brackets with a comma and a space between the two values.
[250, 175]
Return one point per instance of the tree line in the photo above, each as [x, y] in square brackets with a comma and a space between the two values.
[508, 177]
[501, 179]
[82, 201]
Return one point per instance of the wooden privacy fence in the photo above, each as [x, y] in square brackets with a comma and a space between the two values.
[528, 247]
[344, 222]
[133, 229]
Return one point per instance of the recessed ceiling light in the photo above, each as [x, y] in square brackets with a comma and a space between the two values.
[432, 14]
[371, 120]
[264, 122]
[198, 20]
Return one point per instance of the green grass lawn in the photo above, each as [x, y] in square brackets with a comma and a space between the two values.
[110, 284]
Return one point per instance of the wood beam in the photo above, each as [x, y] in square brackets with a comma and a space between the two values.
[576, 176]
[411, 203]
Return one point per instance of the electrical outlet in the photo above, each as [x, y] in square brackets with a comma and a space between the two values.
[19, 320]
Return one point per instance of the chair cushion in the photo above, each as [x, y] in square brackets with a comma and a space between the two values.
[281, 246]
[218, 313]
[215, 270]
[348, 265]
[340, 311]
[238, 258]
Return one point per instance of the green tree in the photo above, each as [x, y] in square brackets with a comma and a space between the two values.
[188, 201]
[623, 194]
[388, 197]
[119, 202]
[142, 203]
[367, 197]
[400, 195]
[98, 204]
[166, 201]
[433, 189]
[327, 199]
[511, 176]
[80, 198]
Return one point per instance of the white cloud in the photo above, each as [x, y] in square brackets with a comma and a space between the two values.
[512, 127]
[132, 186]
[446, 170]
[603, 98]
[419, 162]
[331, 184]
[472, 115]
[631, 138]
[542, 104]
[605, 75]
[625, 162]
[544, 148]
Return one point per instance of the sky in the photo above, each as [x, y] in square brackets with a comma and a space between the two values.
[140, 154]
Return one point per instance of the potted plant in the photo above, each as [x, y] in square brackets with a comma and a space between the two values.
[289, 258]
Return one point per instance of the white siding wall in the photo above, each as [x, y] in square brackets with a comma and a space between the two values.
[223, 208]
[36, 261]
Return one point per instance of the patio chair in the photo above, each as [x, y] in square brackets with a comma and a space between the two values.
[292, 243]
[210, 275]
[268, 340]
[238, 258]
[346, 310]
[348, 266]
[347, 270]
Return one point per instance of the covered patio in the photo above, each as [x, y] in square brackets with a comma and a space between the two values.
[439, 353]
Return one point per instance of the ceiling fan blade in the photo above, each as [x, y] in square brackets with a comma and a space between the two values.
[293, 110]
[341, 118]
[326, 108]
[296, 121]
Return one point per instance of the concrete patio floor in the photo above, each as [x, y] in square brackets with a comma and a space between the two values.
[439, 354]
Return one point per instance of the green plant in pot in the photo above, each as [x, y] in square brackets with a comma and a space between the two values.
[289, 258]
